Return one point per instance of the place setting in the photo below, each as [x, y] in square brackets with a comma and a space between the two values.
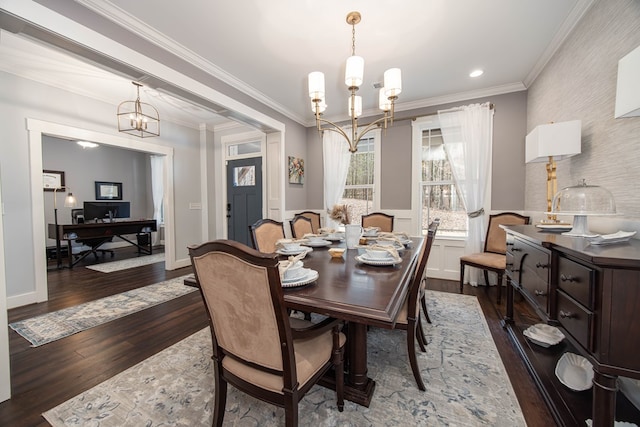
[378, 255]
[315, 241]
[331, 234]
[293, 273]
[291, 247]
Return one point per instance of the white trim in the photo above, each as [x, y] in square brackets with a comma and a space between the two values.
[5, 367]
[37, 128]
[204, 186]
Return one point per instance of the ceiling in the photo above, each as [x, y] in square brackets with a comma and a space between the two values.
[266, 49]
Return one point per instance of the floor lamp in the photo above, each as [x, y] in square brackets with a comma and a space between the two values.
[69, 202]
[551, 142]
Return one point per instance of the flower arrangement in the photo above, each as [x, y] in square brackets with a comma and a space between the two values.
[340, 213]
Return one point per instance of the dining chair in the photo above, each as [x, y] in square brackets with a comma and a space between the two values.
[265, 233]
[301, 225]
[433, 227]
[259, 349]
[315, 220]
[493, 257]
[378, 219]
[408, 318]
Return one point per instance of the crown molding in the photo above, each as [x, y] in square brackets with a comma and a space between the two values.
[144, 31]
[576, 14]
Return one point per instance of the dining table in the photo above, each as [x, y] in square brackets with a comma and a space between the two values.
[362, 295]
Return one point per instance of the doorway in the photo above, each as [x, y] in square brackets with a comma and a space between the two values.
[244, 197]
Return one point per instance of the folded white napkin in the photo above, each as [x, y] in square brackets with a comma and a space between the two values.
[392, 251]
[284, 265]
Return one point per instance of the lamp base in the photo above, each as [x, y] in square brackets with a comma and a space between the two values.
[580, 228]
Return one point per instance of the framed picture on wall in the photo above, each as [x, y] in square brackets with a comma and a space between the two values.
[296, 170]
[52, 180]
[108, 190]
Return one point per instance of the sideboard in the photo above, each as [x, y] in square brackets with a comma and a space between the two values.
[592, 294]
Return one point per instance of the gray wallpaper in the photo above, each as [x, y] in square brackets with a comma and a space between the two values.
[580, 83]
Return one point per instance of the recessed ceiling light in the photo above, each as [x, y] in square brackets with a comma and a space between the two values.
[476, 73]
[87, 144]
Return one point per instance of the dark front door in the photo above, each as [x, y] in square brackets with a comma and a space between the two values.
[244, 197]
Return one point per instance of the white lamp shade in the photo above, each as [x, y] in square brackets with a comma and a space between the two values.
[354, 73]
[560, 140]
[383, 102]
[628, 86]
[358, 107]
[393, 82]
[316, 85]
[70, 201]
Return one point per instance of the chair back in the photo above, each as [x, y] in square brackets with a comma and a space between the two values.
[315, 220]
[378, 219]
[496, 239]
[265, 233]
[300, 225]
[423, 257]
[244, 299]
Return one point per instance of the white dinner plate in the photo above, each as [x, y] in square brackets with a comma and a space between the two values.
[377, 261]
[608, 239]
[319, 244]
[294, 251]
[310, 277]
[575, 372]
[334, 238]
[555, 227]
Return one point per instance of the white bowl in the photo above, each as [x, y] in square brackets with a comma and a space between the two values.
[315, 239]
[377, 254]
[292, 246]
[575, 372]
[294, 272]
[544, 335]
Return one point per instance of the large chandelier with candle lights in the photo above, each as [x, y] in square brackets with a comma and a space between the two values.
[354, 76]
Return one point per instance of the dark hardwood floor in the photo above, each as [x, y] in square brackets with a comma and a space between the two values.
[45, 376]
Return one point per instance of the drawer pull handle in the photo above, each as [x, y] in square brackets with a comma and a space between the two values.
[541, 265]
[567, 315]
[540, 293]
[568, 278]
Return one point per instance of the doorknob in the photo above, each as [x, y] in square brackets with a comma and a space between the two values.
[228, 210]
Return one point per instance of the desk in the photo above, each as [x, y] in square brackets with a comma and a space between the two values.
[103, 230]
[361, 295]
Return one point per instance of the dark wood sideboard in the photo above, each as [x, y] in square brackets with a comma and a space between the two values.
[590, 292]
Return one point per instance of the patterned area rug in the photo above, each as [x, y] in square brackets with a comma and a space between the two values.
[466, 384]
[110, 267]
[50, 327]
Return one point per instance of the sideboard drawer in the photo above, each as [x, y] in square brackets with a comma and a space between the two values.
[575, 319]
[576, 280]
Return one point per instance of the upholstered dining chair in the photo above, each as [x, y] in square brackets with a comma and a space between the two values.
[315, 220]
[259, 349]
[408, 318]
[378, 219]
[433, 227]
[300, 225]
[493, 257]
[265, 233]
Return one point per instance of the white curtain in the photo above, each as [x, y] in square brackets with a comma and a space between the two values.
[335, 151]
[157, 192]
[467, 133]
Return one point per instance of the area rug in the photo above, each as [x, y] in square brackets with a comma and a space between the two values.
[52, 326]
[110, 267]
[466, 384]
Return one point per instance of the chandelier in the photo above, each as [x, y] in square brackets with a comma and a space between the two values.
[354, 75]
[138, 118]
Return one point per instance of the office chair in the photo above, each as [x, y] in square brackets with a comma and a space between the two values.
[77, 217]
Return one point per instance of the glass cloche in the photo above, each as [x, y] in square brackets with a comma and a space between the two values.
[580, 201]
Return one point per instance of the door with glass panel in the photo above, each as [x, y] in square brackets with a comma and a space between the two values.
[244, 197]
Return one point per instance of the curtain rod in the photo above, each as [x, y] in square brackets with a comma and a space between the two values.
[412, 118]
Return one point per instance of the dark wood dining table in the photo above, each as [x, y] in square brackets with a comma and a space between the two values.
[362, 295]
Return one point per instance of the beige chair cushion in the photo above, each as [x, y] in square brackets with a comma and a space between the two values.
[311, 354]
[488, 259]
[380, 221]
[267, 235]
[301, 227]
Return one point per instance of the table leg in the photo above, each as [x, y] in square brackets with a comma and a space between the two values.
[360, 387]
[604, 399]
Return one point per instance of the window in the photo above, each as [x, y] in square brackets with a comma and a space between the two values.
[360, 191]
[438, 192]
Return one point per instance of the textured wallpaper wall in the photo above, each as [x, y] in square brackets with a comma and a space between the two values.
[579, 82]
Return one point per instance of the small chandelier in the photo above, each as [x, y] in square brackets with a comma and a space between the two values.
[138, 118]
[354, 76]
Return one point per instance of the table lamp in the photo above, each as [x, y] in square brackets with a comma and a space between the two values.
[583, 200]
[69, 202]
[548, 143]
